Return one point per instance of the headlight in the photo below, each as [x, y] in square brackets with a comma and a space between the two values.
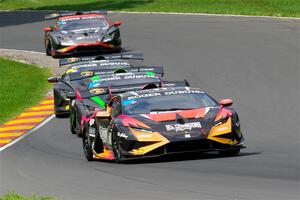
[145, 130]
[108, 38]
[221, 121]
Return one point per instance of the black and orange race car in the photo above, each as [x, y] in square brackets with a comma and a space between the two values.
[161, 121]
[81, 32]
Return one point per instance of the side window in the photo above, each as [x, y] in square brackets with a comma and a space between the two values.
[116, 107]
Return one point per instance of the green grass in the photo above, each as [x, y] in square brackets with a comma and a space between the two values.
[21, 86]
[15, 196]
[242, 7]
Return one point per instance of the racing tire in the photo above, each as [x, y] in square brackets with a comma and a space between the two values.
[48, 49]
[64, 115]
[72, 129]
[229, 153]
[116, 149]
[87, 149]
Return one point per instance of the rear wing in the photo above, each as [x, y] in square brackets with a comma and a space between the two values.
[114, 90]
[57, 15]
[158, 70]
[67, 61]
[184, 83]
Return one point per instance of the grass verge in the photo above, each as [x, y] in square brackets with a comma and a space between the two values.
[15, 196]
[285, 8]
[21, 86]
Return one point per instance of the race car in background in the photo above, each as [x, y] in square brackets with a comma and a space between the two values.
[110, 62]
[161, 121]
[81, 32]
[69, 82]
[84, 102]
[115, 56]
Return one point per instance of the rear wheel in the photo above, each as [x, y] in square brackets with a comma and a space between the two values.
[87, 148]
[229, 153]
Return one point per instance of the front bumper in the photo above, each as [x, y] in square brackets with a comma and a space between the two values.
[190, 146]
[86, 48]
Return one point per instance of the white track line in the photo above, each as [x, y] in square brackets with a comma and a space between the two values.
[29, 132]
[25, 51]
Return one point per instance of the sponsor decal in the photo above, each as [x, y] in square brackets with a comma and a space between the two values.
[167, 93]
[97, 91]
[183, 127]
[87, 37]
[122, 135]
[87, 73]
[92, 131]
[129, 101]
[144, 95]
[183, 92]
[103, 134]
[91, 122]
[148, 75]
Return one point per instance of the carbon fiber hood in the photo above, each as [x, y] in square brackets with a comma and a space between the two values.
[86, 35]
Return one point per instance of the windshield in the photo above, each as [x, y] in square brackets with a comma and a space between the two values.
[83, 23]
[161, 103]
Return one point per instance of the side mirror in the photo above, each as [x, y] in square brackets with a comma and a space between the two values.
[226, 102]
[117, 23]
[47, 29]
[53, 80]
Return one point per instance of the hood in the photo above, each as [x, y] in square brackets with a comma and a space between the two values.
[86, 35]
[178, 125]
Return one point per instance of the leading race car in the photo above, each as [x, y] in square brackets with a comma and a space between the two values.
[162, 121]
[81, 32]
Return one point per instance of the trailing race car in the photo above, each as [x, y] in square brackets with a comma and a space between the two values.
[161, 121]
[81, 32]
[69, 82]
[84, 102]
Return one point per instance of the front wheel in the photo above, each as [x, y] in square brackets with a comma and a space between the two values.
[116, 149]
[72, 119]
[48, 48]
[229, 153]
[87, 148]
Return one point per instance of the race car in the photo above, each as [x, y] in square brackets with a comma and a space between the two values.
[69, 82]
[81, 32]
[160, 121]
[84, 102]
[115, 56]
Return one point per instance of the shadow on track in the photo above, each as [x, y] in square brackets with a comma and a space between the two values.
[181, 157]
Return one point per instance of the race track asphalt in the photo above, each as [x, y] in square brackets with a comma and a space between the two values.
[255, 61]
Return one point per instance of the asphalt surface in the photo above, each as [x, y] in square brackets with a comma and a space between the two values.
[254, 61]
